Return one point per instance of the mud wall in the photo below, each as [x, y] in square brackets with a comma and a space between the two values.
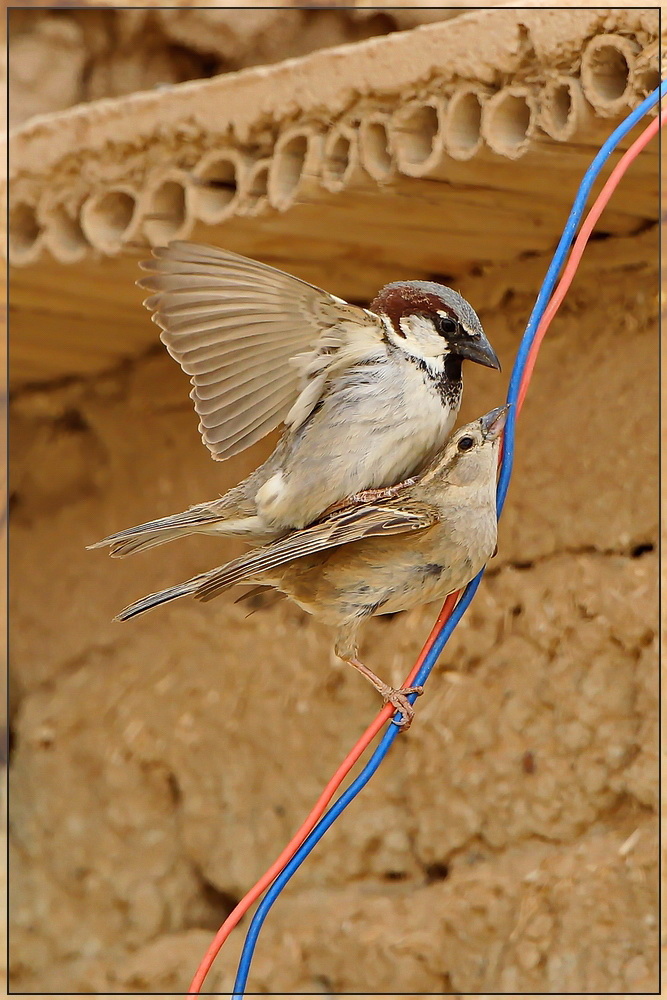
[59, 58]
[414, 111]
[508, 844]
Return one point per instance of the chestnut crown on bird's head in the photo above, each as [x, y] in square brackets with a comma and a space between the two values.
[429, 320]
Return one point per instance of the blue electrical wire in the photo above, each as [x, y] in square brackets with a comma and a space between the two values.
[503, 485]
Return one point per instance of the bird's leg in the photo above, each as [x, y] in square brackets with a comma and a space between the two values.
[370, 496]
[395, 696]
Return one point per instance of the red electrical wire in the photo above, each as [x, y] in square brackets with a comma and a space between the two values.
[357, 750]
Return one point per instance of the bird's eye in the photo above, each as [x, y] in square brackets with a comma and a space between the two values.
[465, 444]
[447, 326]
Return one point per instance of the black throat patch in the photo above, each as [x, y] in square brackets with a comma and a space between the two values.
[448, 383]
[453, 366]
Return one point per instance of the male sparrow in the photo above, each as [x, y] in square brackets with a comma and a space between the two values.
[367, 396]
[374, 558]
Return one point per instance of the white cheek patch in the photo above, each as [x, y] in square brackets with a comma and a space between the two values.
[421, 338]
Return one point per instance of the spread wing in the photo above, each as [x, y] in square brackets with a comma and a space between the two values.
[235, 325]
[344, 526]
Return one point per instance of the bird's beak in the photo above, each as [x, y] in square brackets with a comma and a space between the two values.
[494, 421]
[479, 350]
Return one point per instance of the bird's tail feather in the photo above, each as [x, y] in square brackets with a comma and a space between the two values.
[161, 597]
[190, 588]
[163, 529]
[190, 522]
[139, 543]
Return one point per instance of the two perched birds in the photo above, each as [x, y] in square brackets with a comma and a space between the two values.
[364, 507]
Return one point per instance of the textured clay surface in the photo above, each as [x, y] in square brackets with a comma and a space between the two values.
[346, 165]
[65, 57]
[508, 843]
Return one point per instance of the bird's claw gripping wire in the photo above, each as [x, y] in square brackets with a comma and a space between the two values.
[398, 697]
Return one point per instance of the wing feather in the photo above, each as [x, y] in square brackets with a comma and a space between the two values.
[225, 407]
[230, 339]
[354, 523]
[234, 325]
[341, 528]
[245, 437]
[228, 318]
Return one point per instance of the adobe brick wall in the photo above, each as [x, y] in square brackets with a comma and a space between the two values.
[160, 765]
[509, 842]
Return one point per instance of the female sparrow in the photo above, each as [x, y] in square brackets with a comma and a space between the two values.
[373, 558]
[367, 396]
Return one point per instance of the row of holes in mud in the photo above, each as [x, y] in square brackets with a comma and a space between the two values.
[416, 139]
